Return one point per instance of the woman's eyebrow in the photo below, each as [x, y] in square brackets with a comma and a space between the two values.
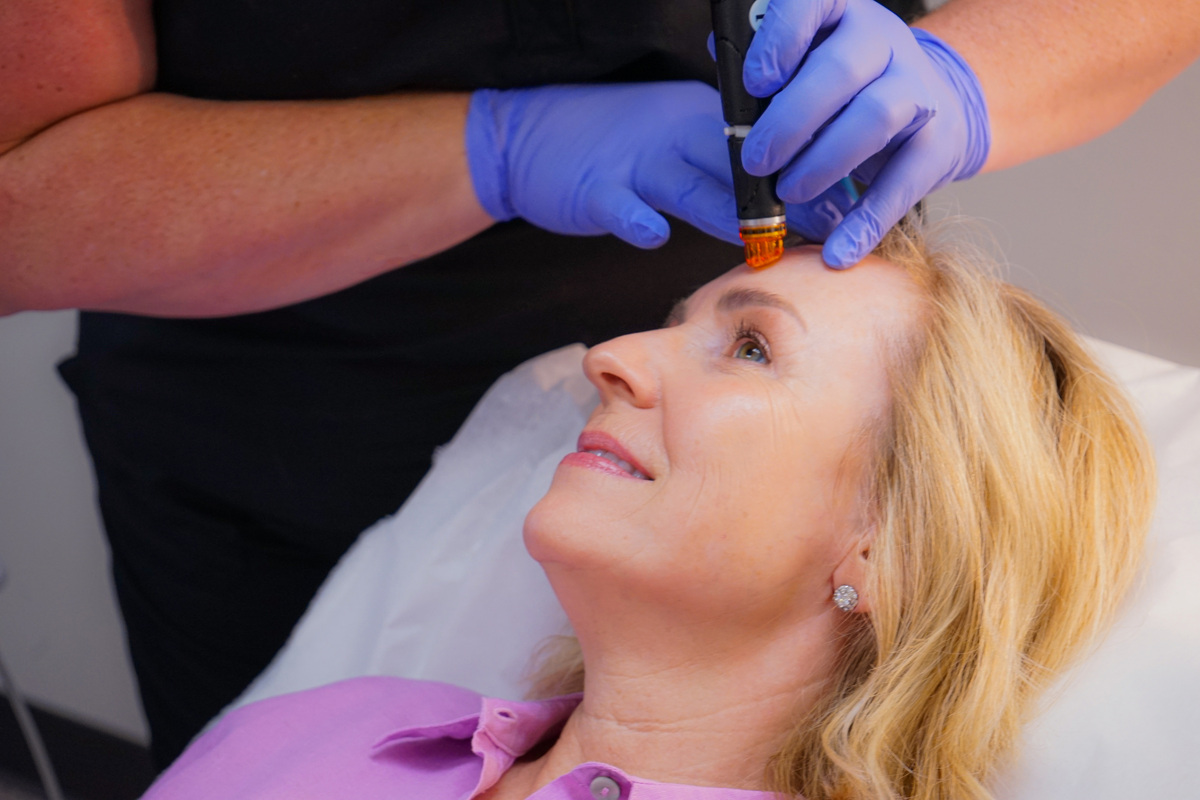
[737, 299]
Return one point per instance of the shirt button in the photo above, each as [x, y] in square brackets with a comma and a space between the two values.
[605, 788]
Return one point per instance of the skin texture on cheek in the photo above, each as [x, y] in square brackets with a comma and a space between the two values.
[756, 506]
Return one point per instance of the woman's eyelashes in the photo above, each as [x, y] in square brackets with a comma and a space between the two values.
[750, 344]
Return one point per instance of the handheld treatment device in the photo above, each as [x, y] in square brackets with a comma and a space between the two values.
[762, 220]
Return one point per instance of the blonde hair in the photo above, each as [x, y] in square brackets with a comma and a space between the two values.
[1011, 493]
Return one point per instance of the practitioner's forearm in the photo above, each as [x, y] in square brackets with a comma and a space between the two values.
[1056, 74]
[179, 207]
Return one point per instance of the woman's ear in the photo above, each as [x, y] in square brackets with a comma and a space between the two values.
[853, 571]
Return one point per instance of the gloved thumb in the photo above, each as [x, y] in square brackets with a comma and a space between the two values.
[618, 210]
[817, 219]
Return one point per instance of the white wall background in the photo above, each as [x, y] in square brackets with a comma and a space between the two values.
[1106, 232]
[59, 631]
[1109, 232]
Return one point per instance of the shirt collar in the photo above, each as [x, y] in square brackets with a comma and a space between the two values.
[512, 726]
[504, 730]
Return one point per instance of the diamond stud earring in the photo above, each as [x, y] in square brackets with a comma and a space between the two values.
[845, 597]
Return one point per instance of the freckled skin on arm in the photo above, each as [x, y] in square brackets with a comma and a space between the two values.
[59, 57]
[114, 197]
[1057, 73]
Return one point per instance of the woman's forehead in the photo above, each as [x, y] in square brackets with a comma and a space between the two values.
[801, 282]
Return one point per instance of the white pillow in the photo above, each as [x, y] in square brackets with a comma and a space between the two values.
[445, 590]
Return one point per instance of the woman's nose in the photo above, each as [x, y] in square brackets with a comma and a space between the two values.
[622, 369]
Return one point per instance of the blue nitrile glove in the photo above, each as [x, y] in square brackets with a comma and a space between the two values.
[596, 159]
[891, 105]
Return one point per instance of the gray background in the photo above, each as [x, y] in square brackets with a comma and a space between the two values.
[1105, 232]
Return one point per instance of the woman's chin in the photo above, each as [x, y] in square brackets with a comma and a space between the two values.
[546, 526]
[573, 525]
[582, 496]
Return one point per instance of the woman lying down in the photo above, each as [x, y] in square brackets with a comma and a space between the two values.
[827, 535]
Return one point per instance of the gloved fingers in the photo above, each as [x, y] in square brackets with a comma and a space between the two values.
[887, 110]
[817, 219]
[703, 145]
[834, 73]
[712, 46]
[787, 32]
[697, 198]
[865, 172]
[695, 181]
[620, 211]
[699, 143]
[903, 181]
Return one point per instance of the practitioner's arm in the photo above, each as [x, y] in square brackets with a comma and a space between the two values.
[1056, 74]
[116, 198]
[112, 197]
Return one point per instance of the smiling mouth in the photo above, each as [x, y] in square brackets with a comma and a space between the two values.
[620, 462]
[602, 451]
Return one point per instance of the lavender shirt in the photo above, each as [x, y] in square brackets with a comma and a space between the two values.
[396, 739]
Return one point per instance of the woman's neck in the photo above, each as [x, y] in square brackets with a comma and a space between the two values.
[709, 718]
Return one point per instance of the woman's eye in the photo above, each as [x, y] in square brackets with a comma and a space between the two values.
[751, 351]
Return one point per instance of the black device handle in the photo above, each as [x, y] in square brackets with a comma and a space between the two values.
[732, 33]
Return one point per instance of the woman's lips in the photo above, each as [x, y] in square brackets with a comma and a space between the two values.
[603, 453]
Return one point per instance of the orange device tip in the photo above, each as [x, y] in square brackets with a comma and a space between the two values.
[764, 245]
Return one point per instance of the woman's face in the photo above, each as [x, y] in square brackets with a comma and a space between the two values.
[744, 430]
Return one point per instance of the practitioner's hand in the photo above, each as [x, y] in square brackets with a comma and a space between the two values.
[891, 105]
[600, 159]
